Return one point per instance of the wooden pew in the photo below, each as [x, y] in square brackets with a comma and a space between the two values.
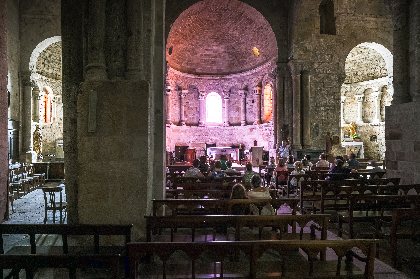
[64, 231]
[401, 230]
[238, 222]
[30, 263]
[217, 206]
[374, 209]
[211, 259]
[194, 194]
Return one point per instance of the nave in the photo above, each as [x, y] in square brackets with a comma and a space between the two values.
[46, 243]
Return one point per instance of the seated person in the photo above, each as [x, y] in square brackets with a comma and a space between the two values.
[204, 167]
[270, 171]
[352, 162]
[290, 161]
[282, 173]
[194, 171]
[217, 173]
[340, 171]
[239, 192]
[306, 161]
[249, 173]
[230, 171]
[322, 163]
[259, 192]
[223, 161]
[298, 170]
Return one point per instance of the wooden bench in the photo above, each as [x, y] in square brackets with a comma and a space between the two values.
[64, 231]
[217, 206]
[374, 209]
[197, 194]
[247, 259]
[238, 222]
[30, 263]
[405, 225]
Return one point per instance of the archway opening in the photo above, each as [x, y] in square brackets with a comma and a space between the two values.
[365, 93]
[228, 47]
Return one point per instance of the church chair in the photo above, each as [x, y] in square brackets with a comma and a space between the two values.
[51, 203]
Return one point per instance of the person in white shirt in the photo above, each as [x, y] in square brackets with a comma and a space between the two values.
[322, 163]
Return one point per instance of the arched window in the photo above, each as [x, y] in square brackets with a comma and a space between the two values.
[214, 108]
[268, 103]
[46, 106]
[327, 17]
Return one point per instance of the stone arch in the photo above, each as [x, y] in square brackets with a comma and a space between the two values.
[39, 49]
[369, 73]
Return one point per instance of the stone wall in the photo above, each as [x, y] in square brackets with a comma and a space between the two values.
[403, 142]
[13, 58]
[324, 55]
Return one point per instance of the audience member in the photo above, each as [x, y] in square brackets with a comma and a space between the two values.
[338, 171]
[308, 164]
[298, 170]
[194, 171]
[352, 162]
[249, 173]
[239, 192]
[217, 172]
[259, 192]
[223, 161]
[204, 167]
[270, 170]
[322, 163]
[290, 161]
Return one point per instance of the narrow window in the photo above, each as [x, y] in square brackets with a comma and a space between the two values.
[268, 103]
[214, 108]
[327, 17]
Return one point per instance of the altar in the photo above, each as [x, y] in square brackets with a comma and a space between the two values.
[355, 147]
[231, 153]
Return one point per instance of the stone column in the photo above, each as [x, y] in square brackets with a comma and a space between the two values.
[226, 98]
[296, 106]
[414, 50]
[134, 41]
[27, 118]
[401, 38]
[168, 104]
[242, 95]
[182, 95]
[377, 95]
[342, 102]
[202, 108]
[359, 99]
[279, 101]
[35, 104]
[306, 96]
[257, 94]
[96, 69]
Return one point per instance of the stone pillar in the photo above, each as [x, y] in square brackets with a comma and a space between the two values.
[414, 50]
[242, 95]
[134, 41]
[359, 99]
[96, 69]
[401, 38]
[168, 105]
[226, 109]
[306, 114]
[279, 101]
[182, 95]
[3, 114]
[35, 105]
[257, 94]
[342, 102]
[202, 108]
[296, 107]
[27, 118]
[377, 95]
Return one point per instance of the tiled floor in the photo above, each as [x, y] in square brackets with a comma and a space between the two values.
[30, 209]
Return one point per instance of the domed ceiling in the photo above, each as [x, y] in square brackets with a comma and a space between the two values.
[219, 37]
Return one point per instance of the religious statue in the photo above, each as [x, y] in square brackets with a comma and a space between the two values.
[37, 141]
[353, 131]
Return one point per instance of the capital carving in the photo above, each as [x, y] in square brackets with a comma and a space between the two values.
[242, 93]
[201, 95]
[359, 98]
[183, 93]
[257, 90]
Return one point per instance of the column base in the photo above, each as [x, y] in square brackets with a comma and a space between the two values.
[96, 72]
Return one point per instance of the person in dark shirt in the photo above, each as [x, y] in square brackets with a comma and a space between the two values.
[239, 192]
[352, 162]
[338, 172]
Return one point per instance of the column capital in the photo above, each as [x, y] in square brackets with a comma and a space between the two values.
[201, 94]
[257, 90]
[242, 93]
[183, 93]
[226, 95]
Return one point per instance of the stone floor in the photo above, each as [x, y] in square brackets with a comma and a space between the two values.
[30, 209]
